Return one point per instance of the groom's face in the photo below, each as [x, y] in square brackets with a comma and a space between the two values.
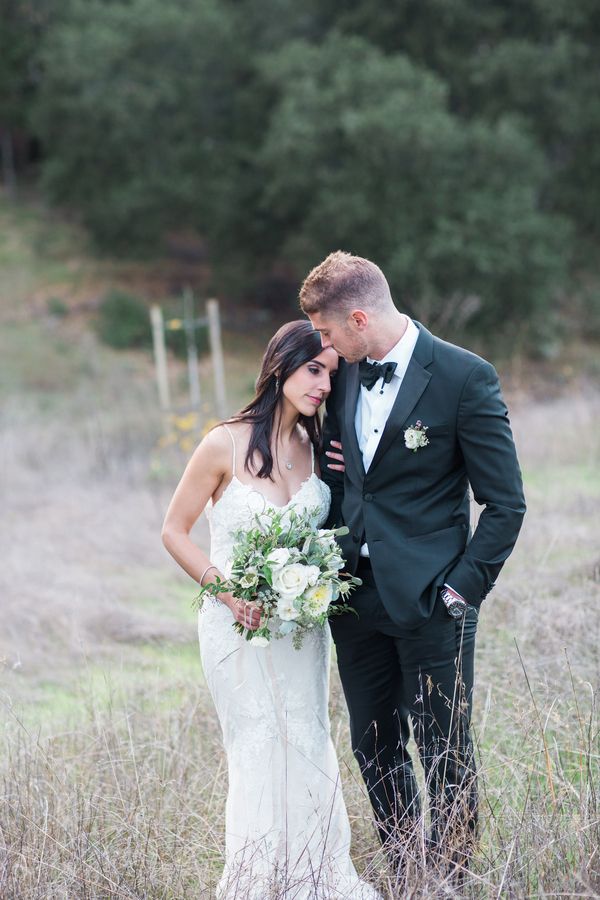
[343, 335]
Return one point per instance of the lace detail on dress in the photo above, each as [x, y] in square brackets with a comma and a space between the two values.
[240, 502]
[287, 830]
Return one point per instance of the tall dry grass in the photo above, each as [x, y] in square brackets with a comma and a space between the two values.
[121, 794]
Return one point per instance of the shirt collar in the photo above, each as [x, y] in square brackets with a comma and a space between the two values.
[402, 351]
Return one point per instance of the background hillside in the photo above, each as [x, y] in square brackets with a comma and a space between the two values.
[112, 774]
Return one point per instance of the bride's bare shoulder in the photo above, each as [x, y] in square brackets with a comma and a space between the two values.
[221, 436]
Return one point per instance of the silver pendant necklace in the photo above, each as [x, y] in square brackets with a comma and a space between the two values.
[288, 463]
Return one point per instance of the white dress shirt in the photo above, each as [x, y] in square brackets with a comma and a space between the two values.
[374, 406]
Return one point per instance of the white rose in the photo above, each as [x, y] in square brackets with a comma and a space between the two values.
[414, 438]
[318, 598]
[411, 438]
[313, 574]
[335, 563]
[286, 609]
[326, 540]
[259, 640]
[291, 581]
[278, 558]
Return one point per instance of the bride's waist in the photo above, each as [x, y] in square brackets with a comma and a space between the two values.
[221, 559]
[215, 608]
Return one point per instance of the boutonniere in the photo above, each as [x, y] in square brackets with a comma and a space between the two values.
[415, 437]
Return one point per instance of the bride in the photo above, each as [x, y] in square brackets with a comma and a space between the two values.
[287, 830]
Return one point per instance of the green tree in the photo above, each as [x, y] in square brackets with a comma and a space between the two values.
[550, 79]
[136, 111]
[452, 142]
[363, 153]
[539, 59]
[19, 26]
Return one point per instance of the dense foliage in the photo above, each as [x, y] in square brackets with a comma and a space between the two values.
[455, 143]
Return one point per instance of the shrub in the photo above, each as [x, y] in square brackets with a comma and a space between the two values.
[57, 307]
[123, 321]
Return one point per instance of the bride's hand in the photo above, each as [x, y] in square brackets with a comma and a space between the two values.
[339, 466]
[247, 614]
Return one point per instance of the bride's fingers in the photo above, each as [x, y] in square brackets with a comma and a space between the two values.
[338, 465]
[248, 615]
[251, 618]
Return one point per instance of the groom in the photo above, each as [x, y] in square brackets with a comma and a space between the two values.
[420, 420]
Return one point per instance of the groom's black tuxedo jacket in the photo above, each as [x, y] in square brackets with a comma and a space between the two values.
[412, 507]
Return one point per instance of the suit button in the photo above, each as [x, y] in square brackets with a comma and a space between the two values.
[368, 497]
[355, 538]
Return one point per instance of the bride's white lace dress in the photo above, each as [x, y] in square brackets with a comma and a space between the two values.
[287, 830]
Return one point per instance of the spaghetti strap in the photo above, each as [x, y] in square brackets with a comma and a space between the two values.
[227, 429]
[312, 458]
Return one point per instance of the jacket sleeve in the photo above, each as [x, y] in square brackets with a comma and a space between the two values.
[490, 457]
[331, 477]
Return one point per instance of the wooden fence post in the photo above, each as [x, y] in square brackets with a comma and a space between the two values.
[160, 357]
[216, 348]
[192, 354]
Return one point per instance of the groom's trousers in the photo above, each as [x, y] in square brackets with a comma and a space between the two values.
[425, 675]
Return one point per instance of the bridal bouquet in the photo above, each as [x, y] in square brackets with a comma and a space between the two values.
[291, 570]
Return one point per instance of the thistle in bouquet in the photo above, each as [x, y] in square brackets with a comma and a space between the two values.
[291, 570]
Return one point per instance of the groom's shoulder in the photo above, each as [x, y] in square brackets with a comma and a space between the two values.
[459, 359]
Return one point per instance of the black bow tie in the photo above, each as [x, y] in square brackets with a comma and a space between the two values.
[370, 373]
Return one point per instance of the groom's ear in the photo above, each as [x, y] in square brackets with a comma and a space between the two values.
[359, 319]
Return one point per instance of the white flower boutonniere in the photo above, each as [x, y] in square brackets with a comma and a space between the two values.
[415, 437]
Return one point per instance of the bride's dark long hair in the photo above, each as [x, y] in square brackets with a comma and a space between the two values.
[294, 344]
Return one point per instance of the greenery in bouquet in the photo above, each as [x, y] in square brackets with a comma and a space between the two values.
[291, 570]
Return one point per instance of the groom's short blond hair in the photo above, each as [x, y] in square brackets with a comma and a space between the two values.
[343, 282]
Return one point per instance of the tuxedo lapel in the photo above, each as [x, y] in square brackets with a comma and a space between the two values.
[413, 384]
[351, 399]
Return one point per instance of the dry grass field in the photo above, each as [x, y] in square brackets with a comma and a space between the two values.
[112, 777]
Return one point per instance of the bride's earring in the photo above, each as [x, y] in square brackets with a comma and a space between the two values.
[277, 384]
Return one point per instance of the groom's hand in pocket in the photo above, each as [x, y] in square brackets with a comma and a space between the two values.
[337, 457]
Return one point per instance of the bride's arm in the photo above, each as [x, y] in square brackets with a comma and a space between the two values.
[203, 475]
